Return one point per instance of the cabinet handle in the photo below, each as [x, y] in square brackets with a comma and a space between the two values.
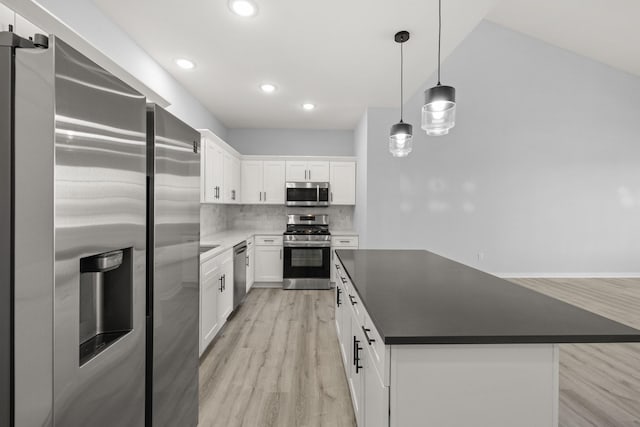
[280, 253]
[261, 196]
[338, 300]
[265, 196]
[366, 335]
[332, 196]
[221, 288]
[309, 174]
[356, 354]
[343, 280]
[345, 241]
[247, 261]
[305, 174]
[352, 299]
[268, 240]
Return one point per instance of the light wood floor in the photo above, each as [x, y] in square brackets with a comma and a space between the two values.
[599, 383]
[277, 362]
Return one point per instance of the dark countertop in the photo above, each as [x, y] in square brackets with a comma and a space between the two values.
[418, 297]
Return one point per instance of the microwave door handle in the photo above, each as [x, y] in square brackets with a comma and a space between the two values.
[317, 193]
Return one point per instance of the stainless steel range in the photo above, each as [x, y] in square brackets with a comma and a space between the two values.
[307, 252]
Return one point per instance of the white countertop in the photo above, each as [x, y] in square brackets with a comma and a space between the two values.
[229, 238]
[343, 232]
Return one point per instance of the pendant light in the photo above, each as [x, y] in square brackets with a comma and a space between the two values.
[439, 110]
[401, 135]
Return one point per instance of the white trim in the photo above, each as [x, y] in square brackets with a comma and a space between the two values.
[567, 275]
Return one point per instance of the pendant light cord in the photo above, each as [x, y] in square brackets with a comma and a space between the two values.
[401, 81]
[439, 35]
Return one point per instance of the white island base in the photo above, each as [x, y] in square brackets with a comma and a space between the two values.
[474, 385]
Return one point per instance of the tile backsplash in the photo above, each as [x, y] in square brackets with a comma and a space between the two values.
[215, 218]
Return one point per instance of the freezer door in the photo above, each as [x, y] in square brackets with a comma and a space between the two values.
[173, 286]
[92, 192]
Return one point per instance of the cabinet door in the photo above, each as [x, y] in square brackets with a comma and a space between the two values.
[210, 190]
[356, 379]
[236, 192]
[227, 182]
[274, 173]
[343, 183]
[268, 267]
[251, 178]
[251, 260]
[225, 299]
[296, 171]
[318, 171]
[209, 279]
[376, 395]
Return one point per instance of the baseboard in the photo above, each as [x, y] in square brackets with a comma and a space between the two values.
[567, 275]
[267, 285]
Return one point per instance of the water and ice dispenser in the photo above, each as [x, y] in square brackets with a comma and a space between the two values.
[106, 301]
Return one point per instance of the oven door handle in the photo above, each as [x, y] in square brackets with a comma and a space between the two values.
[307, 244]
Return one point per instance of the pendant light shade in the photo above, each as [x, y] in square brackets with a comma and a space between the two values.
[401, 139]
[439, 109]
[401, 134]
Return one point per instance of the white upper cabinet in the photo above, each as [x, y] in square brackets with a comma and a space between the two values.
[220, 173]
[307, 171]
[252, 177]
[296, 171]
[274, 181]
[342, 183]
[213, 171]
[263, 182]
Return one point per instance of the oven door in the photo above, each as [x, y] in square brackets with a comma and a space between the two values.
[307, 262]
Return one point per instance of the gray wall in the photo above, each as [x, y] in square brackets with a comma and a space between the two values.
[293, 142]
[360, 151]
[540, 176]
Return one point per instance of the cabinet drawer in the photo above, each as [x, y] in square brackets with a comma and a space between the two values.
[268, 240]
[344, 241]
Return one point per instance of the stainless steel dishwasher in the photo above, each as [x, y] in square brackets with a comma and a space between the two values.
[239, 274]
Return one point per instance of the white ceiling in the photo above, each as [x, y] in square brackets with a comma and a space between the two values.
[338, 54]
[607, 31]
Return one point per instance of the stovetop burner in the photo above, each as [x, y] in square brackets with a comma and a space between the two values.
[307, 225]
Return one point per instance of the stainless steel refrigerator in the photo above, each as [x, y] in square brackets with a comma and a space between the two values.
[172, 270]
[77, 223]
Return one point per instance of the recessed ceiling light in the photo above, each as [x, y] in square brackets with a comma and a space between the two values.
[185, 64]
[267, 88]
[308, 106]
[243, 8]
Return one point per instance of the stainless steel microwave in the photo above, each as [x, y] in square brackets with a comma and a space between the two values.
[307, 193]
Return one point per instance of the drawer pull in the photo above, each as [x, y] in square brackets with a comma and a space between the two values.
[345, 241]
[352, 299]
[338, 299]
[366, 335]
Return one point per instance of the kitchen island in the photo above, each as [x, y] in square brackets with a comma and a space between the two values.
[429, 341]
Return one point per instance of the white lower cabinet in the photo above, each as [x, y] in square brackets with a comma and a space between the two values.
[225, 299]
[369, 394]
[251, 262]
[209, 280]
[268, 259]
[340, 242]
[216, 296]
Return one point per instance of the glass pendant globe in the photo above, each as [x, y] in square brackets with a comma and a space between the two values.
[439, 110]
[401, 139]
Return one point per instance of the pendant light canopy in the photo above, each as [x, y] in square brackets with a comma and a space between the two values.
[439, 110]
[401, 134]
